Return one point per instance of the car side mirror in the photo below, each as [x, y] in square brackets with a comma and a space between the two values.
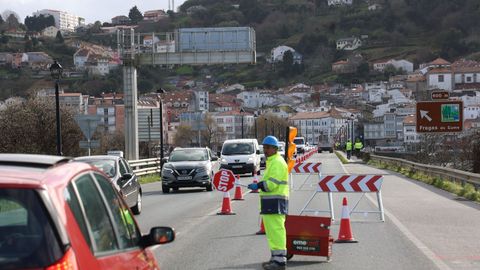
[218, 154]
[158, 236]
[214, 158]
[126, 176]
[165, 160]
[258, 152]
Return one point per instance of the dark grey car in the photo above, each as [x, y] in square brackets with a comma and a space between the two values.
[121, 175]
[189, 167]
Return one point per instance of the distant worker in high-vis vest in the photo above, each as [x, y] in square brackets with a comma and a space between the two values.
[358, 146]
[348, 147]
[274, 192]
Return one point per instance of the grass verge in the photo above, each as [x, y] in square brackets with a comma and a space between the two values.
[149, 178]
[466, 191]
[341, 157]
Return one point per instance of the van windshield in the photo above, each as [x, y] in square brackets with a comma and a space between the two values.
[299, 141]
[237, 149]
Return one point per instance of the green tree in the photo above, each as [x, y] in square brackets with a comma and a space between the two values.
[29, 127]
[59, 37]
[183, 137]
[38, 23]
[287, 63]
[135, 15]
[12, 21]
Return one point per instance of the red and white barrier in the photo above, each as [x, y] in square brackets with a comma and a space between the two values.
[351, 184]
[307, 167]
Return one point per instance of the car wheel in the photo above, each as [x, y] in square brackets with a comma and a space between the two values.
[209, 187]
[137, 209]
[165, 189]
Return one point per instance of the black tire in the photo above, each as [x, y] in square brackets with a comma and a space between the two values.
[137, 209]
[289, 256]
[209, 187]
[165, 189]
[331, 151]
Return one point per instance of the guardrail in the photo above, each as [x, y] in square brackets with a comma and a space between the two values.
[450, 174]
[145, 166]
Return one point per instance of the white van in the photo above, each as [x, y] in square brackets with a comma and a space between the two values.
[240, 156]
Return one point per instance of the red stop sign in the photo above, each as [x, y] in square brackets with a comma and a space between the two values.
[224, 180]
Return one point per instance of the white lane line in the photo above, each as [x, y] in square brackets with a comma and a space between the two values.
[419, 244]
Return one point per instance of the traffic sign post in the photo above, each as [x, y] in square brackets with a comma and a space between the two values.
[89, 145]
[88, 124]
[440, 95]
[439, 116]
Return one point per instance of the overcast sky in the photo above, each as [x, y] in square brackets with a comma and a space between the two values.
[91, 10]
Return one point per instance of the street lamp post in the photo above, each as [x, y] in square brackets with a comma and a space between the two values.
[161, 91]
[255, 124]
[265, 122]
[273, 128]
[56, 72]
[242, 111]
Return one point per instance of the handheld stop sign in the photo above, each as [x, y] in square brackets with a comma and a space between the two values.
[224, 180]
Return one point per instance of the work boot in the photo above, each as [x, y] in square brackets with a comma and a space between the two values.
[274, 266]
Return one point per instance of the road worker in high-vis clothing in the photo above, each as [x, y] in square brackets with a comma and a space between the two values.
[274, 191]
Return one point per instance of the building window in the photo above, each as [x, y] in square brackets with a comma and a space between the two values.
[469, 79]
[229, 129]
[441, 78]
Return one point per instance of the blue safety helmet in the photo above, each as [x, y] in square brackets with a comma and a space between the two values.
[271, 140]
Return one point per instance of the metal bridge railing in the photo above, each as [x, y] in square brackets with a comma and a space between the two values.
[145, 166]
[450, 174]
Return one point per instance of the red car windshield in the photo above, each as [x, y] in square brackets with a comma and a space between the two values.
[27, 237]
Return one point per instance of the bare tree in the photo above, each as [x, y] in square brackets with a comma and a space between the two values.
[208, 134]
[184, 136]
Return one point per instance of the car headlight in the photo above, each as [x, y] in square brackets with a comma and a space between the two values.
[223, 161]
[167, 169]
[201, 169]
[250, 160]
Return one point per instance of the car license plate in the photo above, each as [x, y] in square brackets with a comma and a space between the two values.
[184, 178]
[237, 166]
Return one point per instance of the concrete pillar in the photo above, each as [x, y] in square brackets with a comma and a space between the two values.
[131, 113]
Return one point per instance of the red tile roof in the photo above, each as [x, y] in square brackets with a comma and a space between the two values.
[440, 61]
[410, 120]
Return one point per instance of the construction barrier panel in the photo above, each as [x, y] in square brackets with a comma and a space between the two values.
[352, 184]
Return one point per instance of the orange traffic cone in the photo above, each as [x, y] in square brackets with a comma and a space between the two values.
[255, 180]
[226, 208]
[345, 233]
[262, 227]
[238, 196]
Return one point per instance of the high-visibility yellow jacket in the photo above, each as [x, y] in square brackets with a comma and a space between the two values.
[348, 146]
[274, 186]
[358, 145]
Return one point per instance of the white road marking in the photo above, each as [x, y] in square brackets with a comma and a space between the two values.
[419, 244]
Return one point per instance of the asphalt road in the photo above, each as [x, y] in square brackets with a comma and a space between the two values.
[424, 228]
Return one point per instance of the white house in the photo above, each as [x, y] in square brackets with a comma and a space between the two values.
[339, 2]
[251, 99]
[50, 31]
[410, 134]
[440, 78]
[349, 44]
[80, 58]
[398, 64]
[231, 123]
[311, 124]
[276, 55]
